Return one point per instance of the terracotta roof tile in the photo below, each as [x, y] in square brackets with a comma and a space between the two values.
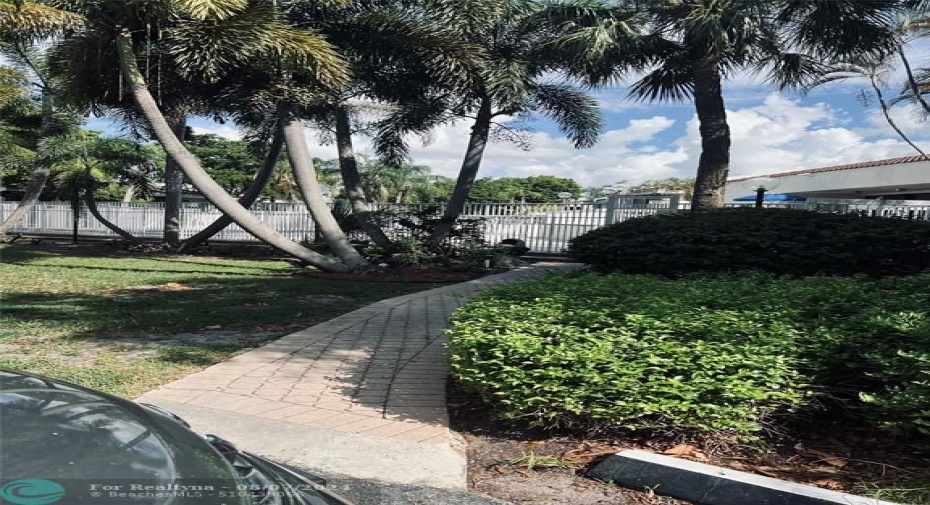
[864, 164]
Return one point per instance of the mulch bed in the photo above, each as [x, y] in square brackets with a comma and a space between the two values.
[820, 455]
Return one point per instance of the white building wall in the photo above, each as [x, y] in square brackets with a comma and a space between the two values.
[911, 179]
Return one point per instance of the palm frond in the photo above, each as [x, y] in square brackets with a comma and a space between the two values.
[843, 29]
[671, 82]
[469, 16]
[922, 82]
[396, 38]
[211, 48]
[595, 41]
[390, 142]
[31, 21]
[506, 80]
[576, 113]
[210, 9]
[792, 70]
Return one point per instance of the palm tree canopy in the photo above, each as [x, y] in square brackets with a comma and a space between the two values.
[514, 76]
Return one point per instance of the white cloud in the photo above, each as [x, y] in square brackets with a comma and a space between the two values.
[772, 134]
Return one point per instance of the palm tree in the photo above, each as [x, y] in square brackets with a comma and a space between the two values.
[876, 73]
[687, 49]
[205, 38]
[249, 196]
[382, 40]
[22, 26]
[511, 80]
[20, 118]
[83, 161]
[388, 183]
[285, 78]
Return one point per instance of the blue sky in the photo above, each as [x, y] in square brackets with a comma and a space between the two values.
[771, 132]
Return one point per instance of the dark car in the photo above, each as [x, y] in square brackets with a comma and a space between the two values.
[66, 444]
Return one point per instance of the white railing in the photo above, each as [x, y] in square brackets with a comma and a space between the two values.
[546, 228]
[146, 220]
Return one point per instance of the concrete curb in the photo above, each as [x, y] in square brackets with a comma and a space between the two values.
[713, 485]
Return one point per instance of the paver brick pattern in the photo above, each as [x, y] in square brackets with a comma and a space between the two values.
[379, 371]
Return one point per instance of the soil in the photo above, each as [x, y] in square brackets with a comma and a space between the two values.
[847, 460]
[498, 467]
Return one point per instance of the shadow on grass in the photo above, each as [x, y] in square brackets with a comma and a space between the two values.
[31, 255]
[236, 302]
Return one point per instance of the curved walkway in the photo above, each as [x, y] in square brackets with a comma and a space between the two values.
[361, 395]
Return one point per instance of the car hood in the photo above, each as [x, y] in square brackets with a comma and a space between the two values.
[90, 447]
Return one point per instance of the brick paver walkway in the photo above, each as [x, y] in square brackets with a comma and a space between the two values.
[379, 371]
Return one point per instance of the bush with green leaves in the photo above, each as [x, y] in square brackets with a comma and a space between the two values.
[733, 353]
[780, 241]
[410, 238]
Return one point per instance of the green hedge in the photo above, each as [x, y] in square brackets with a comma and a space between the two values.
[785, 242]
[732, 353]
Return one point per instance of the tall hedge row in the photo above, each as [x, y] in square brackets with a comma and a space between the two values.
[784, 242]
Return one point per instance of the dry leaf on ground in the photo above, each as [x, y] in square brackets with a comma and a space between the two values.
[685, 450]
[828, 458]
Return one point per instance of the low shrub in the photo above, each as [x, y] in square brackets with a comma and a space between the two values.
[410, 238]
[784, 242]
[734, 353]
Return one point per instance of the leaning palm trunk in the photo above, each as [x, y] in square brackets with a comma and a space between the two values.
[94, 211]
[305, 176]
[174, 185]
[912, 81]
[248, 197]
[477, 142]
[887, 113]
[352, 181]
[40, 174]
[714, 164]
[199, 177]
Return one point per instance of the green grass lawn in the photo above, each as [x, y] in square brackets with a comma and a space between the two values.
[127, 323]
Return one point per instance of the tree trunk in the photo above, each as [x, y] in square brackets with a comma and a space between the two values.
[714, 164]
[75, 217]
[477, 141]
[912, 81]
[199, 177]
[247, 199]
[305, 177]
[174, 184]
[94, 211]
[891, 122]
[40, 173]
[352, 181]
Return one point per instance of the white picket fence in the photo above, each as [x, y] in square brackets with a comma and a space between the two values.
[546, 228]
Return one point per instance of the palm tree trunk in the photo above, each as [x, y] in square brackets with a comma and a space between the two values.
[40, 173]
[247, 199]
[477, 142]
[911, 80]
[199, 177]
[305, 176]
[714, 164]
[352, 181]
[891, 122]
[174, 184]
[94, 211]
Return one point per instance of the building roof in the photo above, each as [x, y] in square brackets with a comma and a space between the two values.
[837, 168]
